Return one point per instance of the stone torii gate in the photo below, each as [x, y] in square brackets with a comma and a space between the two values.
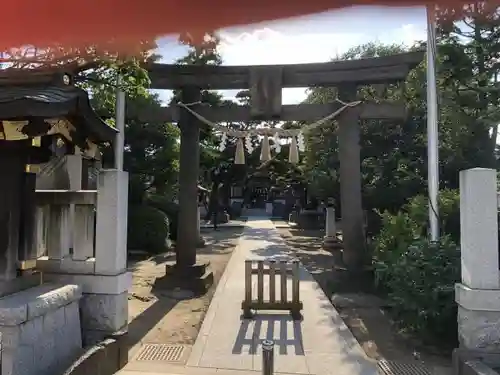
[265, 84]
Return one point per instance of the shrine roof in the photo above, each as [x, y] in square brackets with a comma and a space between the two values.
[20, 102]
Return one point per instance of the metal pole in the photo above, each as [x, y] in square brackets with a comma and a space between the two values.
[267, 357]
[432, 127]
[120, 126]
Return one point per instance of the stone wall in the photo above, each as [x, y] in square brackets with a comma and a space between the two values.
[40, 329]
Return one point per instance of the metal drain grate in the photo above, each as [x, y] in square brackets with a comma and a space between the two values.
[401, 368]
[161, 352]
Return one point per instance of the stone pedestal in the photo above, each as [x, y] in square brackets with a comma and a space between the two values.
[478, 295]
[269, 208]
[478, 318]
[197, 277]
[40, 329]
[330, 241]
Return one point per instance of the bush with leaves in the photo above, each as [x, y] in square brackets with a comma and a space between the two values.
[449, 212]
[421, 288]
[169, 208]
[400, 230]
[418, 277]
[148, 229]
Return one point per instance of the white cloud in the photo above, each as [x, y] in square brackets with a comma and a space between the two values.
[267, 46]
[411, 33]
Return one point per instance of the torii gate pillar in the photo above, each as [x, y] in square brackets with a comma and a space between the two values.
[355, 253]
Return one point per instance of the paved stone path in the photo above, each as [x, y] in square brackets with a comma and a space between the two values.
[321, 344]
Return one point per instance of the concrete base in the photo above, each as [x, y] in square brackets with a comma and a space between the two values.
[331, 243]
[475, 362]
[197, 278]
[478, 318]
[104, 306]
[40, 329]
[103, 314]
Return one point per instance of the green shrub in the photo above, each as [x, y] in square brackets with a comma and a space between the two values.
[449, 212]
[397, 234]
[169, 208]
[148, 229]
[399, 231]
[421, 288]
[417, 276]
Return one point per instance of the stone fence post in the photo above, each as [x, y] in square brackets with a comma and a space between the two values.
[478, 294]
[330, 241]
[106, 280]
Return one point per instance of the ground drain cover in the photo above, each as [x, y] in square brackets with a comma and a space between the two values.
[162, 353]
[401, 368]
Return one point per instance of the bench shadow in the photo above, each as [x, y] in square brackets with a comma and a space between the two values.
[275, 327]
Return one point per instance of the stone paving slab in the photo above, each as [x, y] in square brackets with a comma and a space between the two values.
[321, 344]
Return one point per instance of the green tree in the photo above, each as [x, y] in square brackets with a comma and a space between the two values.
[469, 71]
[389, 148]
[151, 149]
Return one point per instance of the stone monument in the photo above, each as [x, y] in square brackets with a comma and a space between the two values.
[478, 294]
[331, 241]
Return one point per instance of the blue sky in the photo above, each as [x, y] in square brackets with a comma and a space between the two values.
[315, 38]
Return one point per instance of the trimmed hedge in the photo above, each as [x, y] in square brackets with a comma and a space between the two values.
[148, 229]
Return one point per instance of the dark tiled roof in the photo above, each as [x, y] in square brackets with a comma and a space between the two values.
[17, 102]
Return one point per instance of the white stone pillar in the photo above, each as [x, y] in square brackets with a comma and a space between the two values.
[330, 241]
[478, 296]
[111, 227]
[479, 228]
[269, 208]
[331, 228]
[104, 306]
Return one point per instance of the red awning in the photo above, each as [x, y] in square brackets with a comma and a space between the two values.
[77, 23]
